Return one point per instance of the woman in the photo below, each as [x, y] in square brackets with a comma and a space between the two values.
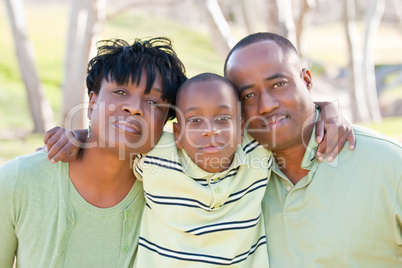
[86, 213]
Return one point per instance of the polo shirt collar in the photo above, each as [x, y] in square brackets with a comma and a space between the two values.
[192, 170]
[310, 155]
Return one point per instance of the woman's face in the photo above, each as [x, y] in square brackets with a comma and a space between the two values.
[126, 119]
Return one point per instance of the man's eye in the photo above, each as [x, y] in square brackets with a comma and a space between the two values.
[248, 96]
[279, 84]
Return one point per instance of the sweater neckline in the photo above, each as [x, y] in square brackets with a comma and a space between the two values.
[78, 201]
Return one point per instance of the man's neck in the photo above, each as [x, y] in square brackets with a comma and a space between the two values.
[289, 159]
[289, 162]
[101, 178]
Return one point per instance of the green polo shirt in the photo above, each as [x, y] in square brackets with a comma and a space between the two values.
[347, 213]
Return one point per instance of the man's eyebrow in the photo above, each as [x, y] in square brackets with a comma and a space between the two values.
[272, 77]
[275, 76]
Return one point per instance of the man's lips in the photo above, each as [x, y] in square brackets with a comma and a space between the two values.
[128, 127]
[274, 121]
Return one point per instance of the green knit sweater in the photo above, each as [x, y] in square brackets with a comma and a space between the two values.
[44, 222]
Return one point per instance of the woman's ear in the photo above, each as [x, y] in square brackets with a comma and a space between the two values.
[92, 102]
[307, 79]
[177, 135]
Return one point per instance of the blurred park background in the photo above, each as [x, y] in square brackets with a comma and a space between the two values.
[352, 47]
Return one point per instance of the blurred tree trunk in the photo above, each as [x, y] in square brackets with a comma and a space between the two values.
[86, 19]
[242, 7]
[305, 8]
[125, 5]
[40, 108]
[220, 31]
[357, 96]
[373, 19]
[398, 10]
[272, 19]
[286, 21]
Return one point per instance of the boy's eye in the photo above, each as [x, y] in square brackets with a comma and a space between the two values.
[223, 118]
[194, 120]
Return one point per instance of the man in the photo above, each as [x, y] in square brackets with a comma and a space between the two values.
[344, 213]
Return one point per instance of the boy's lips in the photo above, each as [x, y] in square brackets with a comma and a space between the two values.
[212, 148]
[132, 128]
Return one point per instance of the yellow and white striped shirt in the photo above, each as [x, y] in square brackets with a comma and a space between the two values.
[198, 219]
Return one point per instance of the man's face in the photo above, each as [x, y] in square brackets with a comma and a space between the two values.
[274, 92]
[125, 118]
[209, 127]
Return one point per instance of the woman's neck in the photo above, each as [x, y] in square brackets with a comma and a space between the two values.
[100, 177]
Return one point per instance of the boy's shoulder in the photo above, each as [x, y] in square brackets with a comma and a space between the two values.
[166, 147]
[250, 145]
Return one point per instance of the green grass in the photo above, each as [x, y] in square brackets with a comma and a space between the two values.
[48, 27]
[392, 126]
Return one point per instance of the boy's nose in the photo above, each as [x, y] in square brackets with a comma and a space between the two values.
[211, 129]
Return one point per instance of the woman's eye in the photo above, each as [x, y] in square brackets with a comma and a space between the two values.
[152, 102]
[120, 92]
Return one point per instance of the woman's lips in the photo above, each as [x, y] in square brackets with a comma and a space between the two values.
[126, 127]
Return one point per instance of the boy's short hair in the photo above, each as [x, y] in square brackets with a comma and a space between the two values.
[121, 62]
[207, 77]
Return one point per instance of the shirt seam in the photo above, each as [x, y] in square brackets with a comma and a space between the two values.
[394, 207]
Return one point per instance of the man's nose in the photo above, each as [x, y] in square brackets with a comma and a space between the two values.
[267, 103]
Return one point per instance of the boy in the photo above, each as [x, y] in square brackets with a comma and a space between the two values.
[204, 196]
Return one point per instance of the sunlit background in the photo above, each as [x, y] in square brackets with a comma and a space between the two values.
[56, 38]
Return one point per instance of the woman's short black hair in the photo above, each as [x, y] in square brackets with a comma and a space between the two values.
[121, 62]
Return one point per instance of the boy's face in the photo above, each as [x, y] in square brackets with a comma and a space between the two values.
[209, 127]
[124, 118]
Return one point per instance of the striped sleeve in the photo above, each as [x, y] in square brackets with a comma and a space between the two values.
[138, 167]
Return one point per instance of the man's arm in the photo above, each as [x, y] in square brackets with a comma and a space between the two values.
[8, 239]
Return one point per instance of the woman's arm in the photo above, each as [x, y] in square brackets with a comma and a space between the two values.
[8, 239]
